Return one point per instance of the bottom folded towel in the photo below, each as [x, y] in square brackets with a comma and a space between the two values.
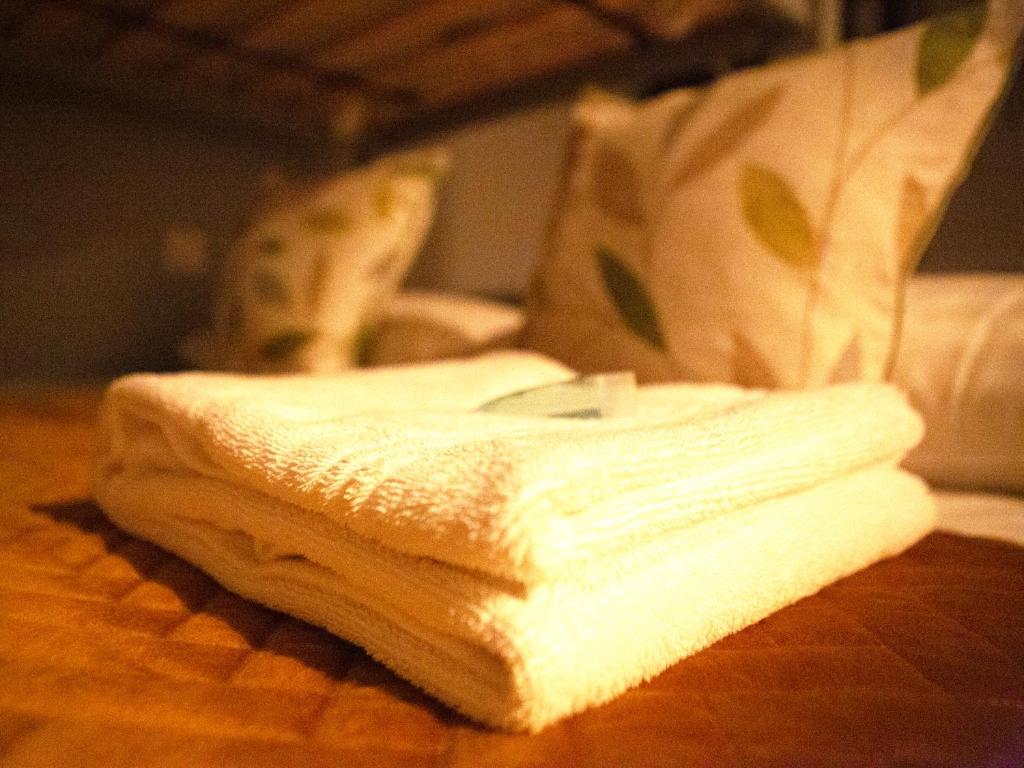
[522, 656]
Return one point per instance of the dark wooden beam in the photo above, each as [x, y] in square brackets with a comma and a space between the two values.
[199, 40]
[709, 52]
[625, 22]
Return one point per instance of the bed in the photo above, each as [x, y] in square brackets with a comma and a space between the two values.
[115, 653]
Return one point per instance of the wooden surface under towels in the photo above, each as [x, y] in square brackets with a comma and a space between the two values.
[114, 653]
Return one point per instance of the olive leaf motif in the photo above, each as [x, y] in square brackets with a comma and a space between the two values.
[849, 367]
[616, 187]
[270, 289]
[946, 43]
[327, 221]
[271, 245]
[362, 344]
[630, 298]
[749, 367]
[777, 217]
[727, 135]
[285, 344]
[911, 219]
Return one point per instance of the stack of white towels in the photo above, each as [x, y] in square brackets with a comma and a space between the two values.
[518, 568]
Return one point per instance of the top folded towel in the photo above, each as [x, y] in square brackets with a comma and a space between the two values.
[400, 456]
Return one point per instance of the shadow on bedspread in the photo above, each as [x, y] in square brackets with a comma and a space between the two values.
[918, 660]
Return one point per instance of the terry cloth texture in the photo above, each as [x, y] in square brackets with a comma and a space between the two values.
[518, 568]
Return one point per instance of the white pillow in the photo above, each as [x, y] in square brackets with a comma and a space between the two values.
[419, 326]
[961, 360]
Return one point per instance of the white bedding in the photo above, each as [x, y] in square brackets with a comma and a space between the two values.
[960, 362]
[991, 515]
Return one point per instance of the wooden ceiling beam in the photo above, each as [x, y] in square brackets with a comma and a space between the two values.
[707, 53]
[221, 17]
[368, 74]
[626, 22]
[433, 23]
[129, 20]
[550, 37]
[303, 27]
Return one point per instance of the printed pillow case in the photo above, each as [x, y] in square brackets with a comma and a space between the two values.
[308, 280]
[761, 231]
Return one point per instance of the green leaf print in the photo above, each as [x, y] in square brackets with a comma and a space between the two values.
[362, 344]
[776, 216]
[285, 344]
[630, 298]
[327, 221]
[946, 43]
[271, 245]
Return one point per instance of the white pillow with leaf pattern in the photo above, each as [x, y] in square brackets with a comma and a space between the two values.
[761, 230]
[310, 277]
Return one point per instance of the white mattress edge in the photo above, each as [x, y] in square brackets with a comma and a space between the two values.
[988, 515]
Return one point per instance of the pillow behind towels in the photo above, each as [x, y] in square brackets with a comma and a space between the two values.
[961, 360]
[419, 325]
[761, 230]
[314, 271]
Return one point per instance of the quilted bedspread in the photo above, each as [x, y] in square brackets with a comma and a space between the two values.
[113, 652]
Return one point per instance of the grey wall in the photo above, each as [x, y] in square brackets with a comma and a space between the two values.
[496, 203]
[984, 225]
[86, 197]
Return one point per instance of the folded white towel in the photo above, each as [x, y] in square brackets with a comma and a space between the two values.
[394, 456]
[519, 568]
